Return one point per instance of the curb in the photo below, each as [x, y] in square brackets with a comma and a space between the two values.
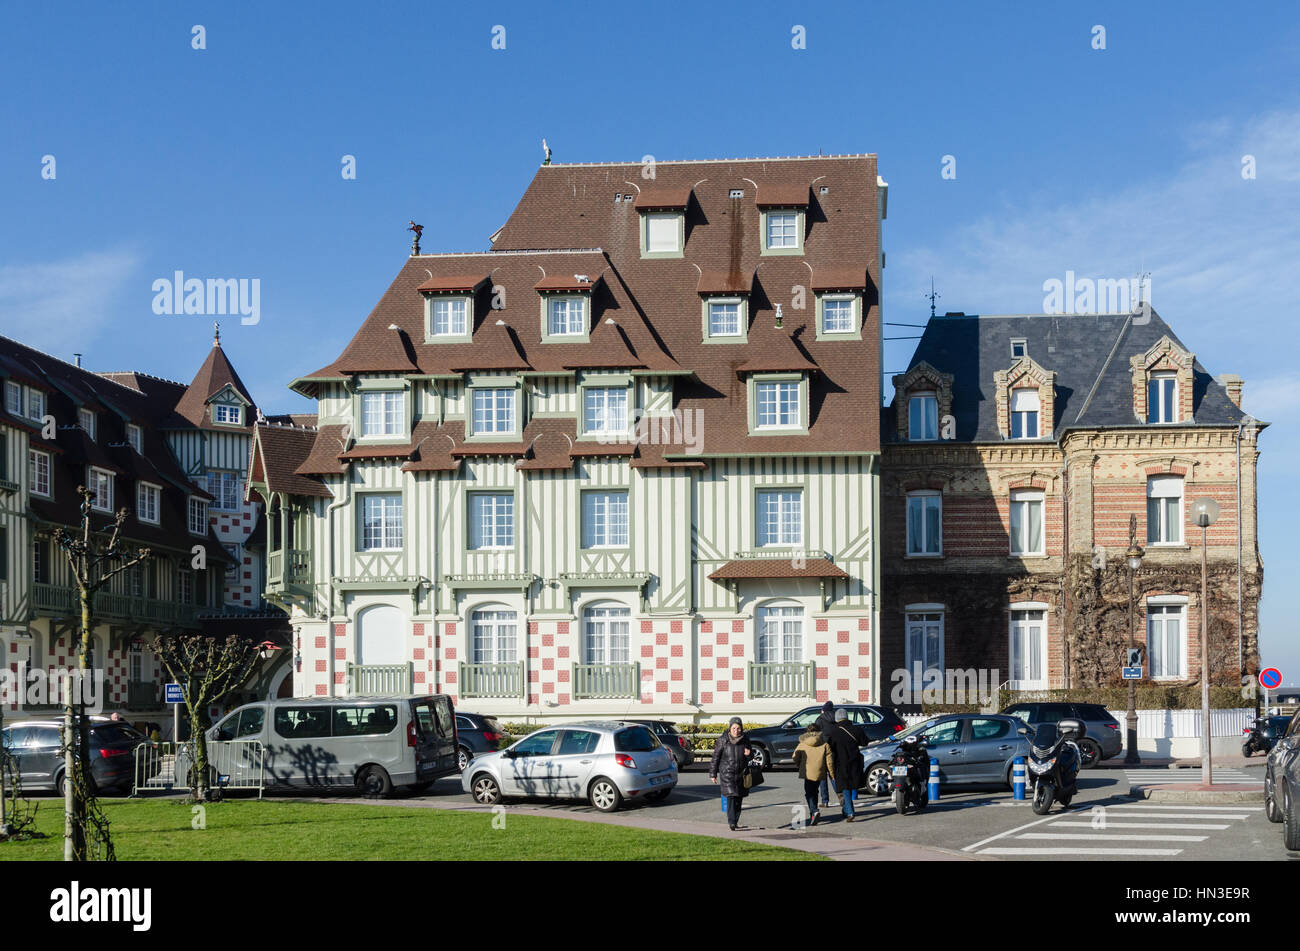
[1184, 792]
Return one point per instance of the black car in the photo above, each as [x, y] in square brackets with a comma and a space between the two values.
[672, 741]
[476, 734]
[774, 745]
[1104, 737]
[38, 750]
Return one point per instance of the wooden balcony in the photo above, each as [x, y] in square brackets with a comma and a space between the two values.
[606, 681]
[782, 680]
[503, 681]
[288, 568]
[383, 680]
[51, 600]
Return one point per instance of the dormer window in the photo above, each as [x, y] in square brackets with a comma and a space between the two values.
[725, 317]
[662, 234]
[782, 230]
[449, 316]
[492, 411]
[86, 420]
[922, 417]
[778, 404]
[839, 316]
[1018, 348]
[1162, 398]
[383, 413]
[13, 398]
[228, 414]
[135, 436]
[100, 483]
[1024, 413]
[782, 213]
[566, 316]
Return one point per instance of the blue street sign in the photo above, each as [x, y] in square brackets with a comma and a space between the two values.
[174, 693]
[1270, 678]
[1132, 673]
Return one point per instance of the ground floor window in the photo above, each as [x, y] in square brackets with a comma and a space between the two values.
[1166, 640]
[1028, 648]
[495, 638]
[605, 638]
[925, 640]
[780, 634]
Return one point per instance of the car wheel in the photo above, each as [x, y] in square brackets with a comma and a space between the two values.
[761, 758]
[58, 785]
[1090, 754]
[879, 779]
[604, 795]
[1271, 809]
[373, 783]
[1291, 810]
[485, 790]
[463, 756]
[659, 795]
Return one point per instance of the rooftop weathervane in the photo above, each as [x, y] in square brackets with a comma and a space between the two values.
[415, 242]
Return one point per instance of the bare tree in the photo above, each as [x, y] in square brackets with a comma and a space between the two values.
[209, 669]
[94, 561]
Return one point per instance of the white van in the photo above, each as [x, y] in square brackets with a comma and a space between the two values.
[372, 743]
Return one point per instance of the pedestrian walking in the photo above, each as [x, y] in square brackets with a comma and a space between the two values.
[814, 758]
[846, 740]
[728, 767]
[826, 721]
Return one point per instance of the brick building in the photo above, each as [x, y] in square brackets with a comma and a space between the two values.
[1016, 450]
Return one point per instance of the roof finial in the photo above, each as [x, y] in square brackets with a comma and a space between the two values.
[415, 242]
[216, 334]
[778, 316]
[547, 149]
[932, 296]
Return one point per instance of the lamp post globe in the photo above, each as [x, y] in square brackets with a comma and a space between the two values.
[1205, 512]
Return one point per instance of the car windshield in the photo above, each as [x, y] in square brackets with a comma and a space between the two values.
[915, 729]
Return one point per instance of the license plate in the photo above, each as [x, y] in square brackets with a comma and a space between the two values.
[900, 770]
[659, 780]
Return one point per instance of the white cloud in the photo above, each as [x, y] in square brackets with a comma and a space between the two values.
[47, 305]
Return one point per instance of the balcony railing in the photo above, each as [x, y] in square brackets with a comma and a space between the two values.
[782, 680]
[606, 681]
[492, 680]
[62, 601]
[379, 679]
[289, 567]
[142, 695]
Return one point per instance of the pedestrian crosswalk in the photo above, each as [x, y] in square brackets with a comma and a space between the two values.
[1124, 830]
[1153, 775]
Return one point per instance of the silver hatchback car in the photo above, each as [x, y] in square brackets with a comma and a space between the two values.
[603, 762]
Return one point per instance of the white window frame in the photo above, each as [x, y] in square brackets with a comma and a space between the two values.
[1166, 403]
[923, 551]
[837, 299]
[1165, 607]
[148, 502]
[600, 414]
[575, 325]
[1158, 487]
[778, 521]
[1023, 500]
[606, 516]
[606, 634]
[785, 414]
[491, 520]
[38, 473]
[236, 413]
[674, 218]
[455, 325]
[197, 507]
[94, 478]
[185, 586]
[35, 403]
[224, 478]
[921, 398]
[726, 302]
[1024, 416]
[493, 398]
[923, 615]
[387, 511]
[1022, 608]
[494, 635]
[383, 413]
[779, 633]
[1023, 344]
[13, 398]
[86, 420]
[135, 436]
[790, 242]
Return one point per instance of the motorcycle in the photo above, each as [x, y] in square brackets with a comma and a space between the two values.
[910, 772]
[1262, 736]
[1054, 761]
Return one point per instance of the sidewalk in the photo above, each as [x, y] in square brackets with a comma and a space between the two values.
[841, 848]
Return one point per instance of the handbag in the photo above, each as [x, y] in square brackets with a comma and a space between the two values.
[753, 777]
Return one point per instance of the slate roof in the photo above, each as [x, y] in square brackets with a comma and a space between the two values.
[1088, 352]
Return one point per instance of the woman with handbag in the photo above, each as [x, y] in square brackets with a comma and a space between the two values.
[730, 767]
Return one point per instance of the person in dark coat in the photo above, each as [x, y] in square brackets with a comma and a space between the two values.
[727, 769]
[826, 722]
[846, 740]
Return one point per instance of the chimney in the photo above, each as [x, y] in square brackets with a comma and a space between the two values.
[76, 359]
[1233, 384]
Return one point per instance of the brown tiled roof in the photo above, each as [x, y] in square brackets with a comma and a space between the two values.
[215, 374]
[840, 278]
[608, 348]
[566, 282]
[389, 352]
[495, 347]
[781, 196]
[724, 282]
[322, 457]
[281, 452]
[668, 198]
[776, 568]
[774, 350]
[652, 455]
[453, 282]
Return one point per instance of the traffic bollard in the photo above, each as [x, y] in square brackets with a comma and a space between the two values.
[1018, 779]
[934, 780]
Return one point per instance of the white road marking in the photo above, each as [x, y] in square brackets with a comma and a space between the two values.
[1148, 825]
[1076, 851]
[1134, 837]
[1115, 813]
[1162, 806]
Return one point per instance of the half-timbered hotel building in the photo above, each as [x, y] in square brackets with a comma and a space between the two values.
[624, 462]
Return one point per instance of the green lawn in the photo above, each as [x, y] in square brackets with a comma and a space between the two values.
[273, 829]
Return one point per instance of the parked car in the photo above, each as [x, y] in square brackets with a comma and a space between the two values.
[476, 734]
[673, 741]
[1290, 788]
[774, 745]
[975, 748]
[1284, 750]
[603, 762]
[373, 743]
[1104, 737]
[38, 752]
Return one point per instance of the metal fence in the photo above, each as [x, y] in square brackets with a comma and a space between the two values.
[606, 681]
[232, 764]
[379, 679]
[492, 680]
[1165, 724]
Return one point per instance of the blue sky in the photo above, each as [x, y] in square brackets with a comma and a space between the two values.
[225, 162]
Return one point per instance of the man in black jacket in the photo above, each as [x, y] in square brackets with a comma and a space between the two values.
[847, 739]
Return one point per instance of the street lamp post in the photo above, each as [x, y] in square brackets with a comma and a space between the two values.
[1205, 512]
[1134, 557]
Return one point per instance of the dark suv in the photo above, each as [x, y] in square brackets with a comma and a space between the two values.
[672, 740]
[37, 749]
[774, 745]
[1104, 738]
[476, 734]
